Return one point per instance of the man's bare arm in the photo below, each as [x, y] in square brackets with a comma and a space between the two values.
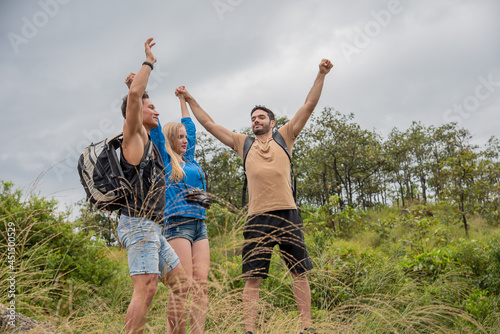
[218, 131]
[134, 133]
[302, 116]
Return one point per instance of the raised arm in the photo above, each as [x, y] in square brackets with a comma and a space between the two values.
[303, 114]
[156, 134]
[218, 131]
[184, 108]
[135, 135]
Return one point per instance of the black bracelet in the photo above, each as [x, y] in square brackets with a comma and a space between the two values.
[149, 64]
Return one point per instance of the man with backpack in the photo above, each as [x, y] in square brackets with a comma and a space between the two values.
[150, 257]
[273, 218]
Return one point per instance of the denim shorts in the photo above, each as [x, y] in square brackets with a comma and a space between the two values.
[192, 229]
[148, 251]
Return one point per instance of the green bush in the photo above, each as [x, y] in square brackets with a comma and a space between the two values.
[220, 220]
[492, 276]
[59, 256]
[428, 265]
[480, 304]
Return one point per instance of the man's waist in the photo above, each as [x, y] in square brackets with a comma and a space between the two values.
[266, 210]
[157, 217]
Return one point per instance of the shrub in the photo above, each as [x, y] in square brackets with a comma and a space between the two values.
[64, 261]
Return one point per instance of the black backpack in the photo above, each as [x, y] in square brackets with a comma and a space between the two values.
[278, 138]
[102, 176]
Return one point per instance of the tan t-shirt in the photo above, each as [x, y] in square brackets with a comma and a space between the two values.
[268, 172]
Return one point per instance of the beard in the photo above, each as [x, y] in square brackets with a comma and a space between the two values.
[262, 130]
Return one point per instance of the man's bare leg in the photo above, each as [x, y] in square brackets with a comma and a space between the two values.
[302, 293]
[250, 302]
[144, 291]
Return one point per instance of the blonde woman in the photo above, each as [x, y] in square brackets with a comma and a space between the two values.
[185, 227]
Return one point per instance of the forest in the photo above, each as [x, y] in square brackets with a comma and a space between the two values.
[334, 159]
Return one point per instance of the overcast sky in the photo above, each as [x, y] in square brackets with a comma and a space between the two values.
[63, 64]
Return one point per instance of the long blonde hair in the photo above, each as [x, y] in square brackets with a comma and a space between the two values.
[171, 133]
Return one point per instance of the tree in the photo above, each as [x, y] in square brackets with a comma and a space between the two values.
[222, 168]
[337, 157]
[399, 160]
[461, 172]
[443, 146]
[490, 180]
[420, 150]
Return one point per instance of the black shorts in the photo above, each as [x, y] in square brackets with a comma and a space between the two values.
[262, 232]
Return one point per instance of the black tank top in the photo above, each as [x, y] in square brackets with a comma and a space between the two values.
[147, 201]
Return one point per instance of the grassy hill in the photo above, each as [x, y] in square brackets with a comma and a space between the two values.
[384, 270]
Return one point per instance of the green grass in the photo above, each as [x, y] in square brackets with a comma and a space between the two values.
[389, 272]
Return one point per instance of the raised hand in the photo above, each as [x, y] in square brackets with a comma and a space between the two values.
[325, 66]
[150, 57]
[129, 79]
[181, 92]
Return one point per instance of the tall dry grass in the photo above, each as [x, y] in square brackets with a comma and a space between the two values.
[376, 299]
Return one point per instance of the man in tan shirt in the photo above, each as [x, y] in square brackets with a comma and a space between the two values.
[273, 218]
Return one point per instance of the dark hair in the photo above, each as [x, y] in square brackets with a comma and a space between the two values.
[124, 103]
[269, 112]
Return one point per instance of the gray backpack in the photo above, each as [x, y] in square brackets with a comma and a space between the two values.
[102, 176]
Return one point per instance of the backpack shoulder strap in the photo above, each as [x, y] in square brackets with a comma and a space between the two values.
[278, 138]
[113, 144]
[146, 156]
[249, 140]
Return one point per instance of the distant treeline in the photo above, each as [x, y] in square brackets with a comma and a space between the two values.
[334, 156]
